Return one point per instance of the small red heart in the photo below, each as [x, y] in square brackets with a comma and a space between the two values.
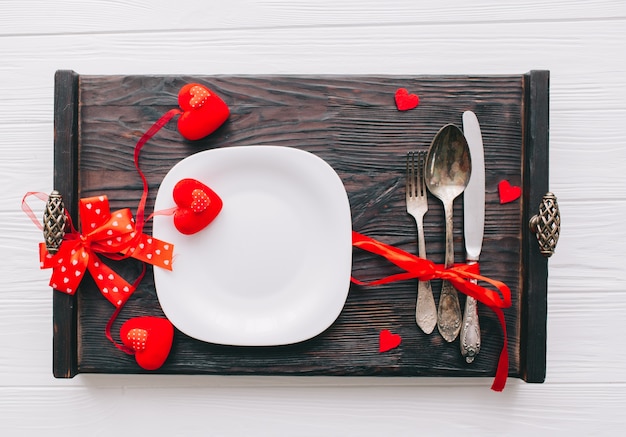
[197, 206]
[388, 341]
[508, 192]
[406, 101]
[203, 111]
[151, 339]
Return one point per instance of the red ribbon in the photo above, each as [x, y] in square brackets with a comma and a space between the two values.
[160, 123]
[113, 235]
[418, 268]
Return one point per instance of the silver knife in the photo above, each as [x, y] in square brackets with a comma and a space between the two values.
[473, 227]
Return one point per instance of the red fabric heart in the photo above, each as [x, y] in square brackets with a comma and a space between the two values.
[151, 339]
[388, 340]
[203, 111]
[406, 101]
[508, 192]
[197, 206]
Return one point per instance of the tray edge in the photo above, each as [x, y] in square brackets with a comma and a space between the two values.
[64, 318]
[534, 265]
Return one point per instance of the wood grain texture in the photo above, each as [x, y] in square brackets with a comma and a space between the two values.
[578, 41]
[353, 124]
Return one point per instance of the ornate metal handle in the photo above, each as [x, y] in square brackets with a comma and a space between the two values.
[470, 330]
[54, 222]
[547, 225]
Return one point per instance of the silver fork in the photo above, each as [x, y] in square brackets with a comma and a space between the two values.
[417, 205]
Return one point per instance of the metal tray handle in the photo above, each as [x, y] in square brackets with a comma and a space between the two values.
[547, 224]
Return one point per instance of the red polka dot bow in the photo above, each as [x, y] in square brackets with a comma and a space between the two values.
[110, 234]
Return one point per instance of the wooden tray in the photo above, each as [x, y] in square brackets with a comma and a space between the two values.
[352, 123]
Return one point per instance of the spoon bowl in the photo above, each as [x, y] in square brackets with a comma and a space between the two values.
[447, 172]
[448, 165]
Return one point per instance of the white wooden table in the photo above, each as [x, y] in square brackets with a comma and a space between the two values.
[582, 43]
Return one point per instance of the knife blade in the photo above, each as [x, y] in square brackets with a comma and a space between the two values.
[473, 230]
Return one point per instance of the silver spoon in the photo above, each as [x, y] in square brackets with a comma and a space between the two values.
[447, 172]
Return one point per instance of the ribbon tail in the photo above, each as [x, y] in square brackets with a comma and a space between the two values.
[153, 251]
[165, 118]
[386, 280]
[112, 286]
[418, 267]
[107, 333]
[68, 265]
[459, 280]
[502, 371]
[28, 210]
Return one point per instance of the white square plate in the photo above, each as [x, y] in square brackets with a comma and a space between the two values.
[274, 267]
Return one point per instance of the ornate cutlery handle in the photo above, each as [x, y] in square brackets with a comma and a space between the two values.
[449, 311]
[470, 330]
[425, 310]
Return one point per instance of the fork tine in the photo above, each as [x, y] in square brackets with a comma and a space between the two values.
[412, 174]
[410, 169]
[415, 185]
[407, 178]
[419, 177]
[416, 175]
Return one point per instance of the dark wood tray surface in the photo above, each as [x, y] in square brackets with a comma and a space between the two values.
[352, 123]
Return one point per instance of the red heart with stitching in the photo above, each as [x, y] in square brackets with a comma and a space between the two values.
[203, 111]
[388, 341]
[508, 192]
[406, 101]
[197, 206]
[151, 339]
